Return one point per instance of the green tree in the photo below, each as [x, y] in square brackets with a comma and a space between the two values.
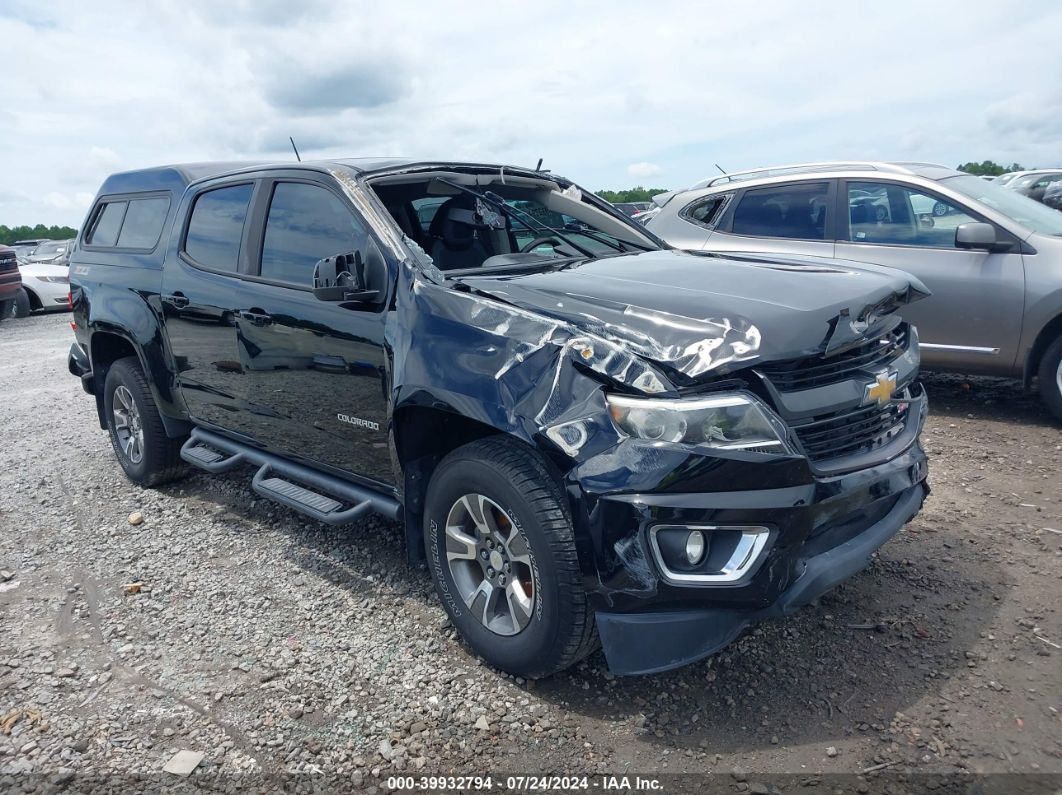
[989, 168]
[9, 235]
[638, 194]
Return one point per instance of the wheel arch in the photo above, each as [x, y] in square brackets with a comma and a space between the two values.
[1051, 331]
[106, 346]
[422, 435]
[34, 299]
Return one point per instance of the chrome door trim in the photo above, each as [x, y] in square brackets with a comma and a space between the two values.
[934, 346]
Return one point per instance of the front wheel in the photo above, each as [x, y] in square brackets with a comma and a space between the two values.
[23, 306]
[148, 456]
[6, 308]
[502, 554]
[1051, 378]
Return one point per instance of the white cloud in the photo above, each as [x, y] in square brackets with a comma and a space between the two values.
[107, 86]
[643, 170]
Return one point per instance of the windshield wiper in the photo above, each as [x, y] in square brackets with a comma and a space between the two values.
[612, 241]
[496, 201]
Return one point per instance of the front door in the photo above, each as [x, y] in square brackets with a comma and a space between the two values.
[201, 293]
[973, 318]
[315, 370]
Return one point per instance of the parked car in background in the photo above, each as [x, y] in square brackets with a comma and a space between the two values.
[1053, 195]
[992, 258]
[1035, 183]
[56, 252]
[10, 281]
[23, 248]
[630, 208]
[45, 287]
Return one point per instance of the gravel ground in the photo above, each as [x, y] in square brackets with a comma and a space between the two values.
[274, 645]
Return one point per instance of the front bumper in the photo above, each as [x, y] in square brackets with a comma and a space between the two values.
[650, 642]
[823, 529]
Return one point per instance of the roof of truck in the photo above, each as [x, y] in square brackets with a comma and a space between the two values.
[178, 176]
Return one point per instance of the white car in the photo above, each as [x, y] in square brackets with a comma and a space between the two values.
[45, 286]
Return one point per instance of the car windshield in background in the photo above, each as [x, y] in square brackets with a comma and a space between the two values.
[1022, 209]
[49, 251]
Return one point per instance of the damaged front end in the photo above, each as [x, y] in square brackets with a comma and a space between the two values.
[719, 470]
[736, 434]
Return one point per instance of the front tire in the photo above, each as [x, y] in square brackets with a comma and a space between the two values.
[1050, 377]
[501, 550]
[23, 305]
[148, 456]
[6, 308]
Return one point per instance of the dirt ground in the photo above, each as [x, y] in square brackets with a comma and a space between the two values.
[273, 645]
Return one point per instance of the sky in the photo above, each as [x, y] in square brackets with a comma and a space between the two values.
[609, 94]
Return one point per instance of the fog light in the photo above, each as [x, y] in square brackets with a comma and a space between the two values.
[695, 547]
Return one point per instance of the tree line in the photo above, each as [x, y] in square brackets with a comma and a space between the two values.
[988, 168]
[638, 194]
[9, 234]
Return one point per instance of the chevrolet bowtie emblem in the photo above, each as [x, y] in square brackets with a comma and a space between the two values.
[881, 390]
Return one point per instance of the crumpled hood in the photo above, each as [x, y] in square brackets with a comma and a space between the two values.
[695, 314]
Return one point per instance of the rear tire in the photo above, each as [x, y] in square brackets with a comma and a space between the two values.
[6, 308]
[540, 621]
[1050, 377]
[148, 456]
[23, 305]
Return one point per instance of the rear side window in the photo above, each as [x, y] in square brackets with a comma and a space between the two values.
[104, 230]
[706, 212]
[215, 229]
[306, 223]
[789, 211]
[143, 223]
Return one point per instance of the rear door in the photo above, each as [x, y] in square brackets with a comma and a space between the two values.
[315, 371]
[201, 296]
[973, 319]
[789, 218]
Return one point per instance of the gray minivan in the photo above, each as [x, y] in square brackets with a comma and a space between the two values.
[991, 257]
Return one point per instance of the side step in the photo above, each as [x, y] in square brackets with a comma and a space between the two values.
[274, 480]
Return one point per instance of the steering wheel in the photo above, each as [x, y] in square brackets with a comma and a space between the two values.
[538, 241]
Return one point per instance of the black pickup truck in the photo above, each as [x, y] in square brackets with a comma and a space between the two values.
[586, 436]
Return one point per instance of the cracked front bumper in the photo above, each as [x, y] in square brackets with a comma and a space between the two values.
[823, 529]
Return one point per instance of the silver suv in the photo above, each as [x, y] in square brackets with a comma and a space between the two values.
[991, 257]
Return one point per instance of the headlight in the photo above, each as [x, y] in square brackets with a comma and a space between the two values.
[54, 279]
[724, 422]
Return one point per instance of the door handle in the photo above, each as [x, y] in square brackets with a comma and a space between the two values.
[178, 300]
[256, 316]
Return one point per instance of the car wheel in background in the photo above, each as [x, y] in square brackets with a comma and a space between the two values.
[148, 456]
[23, 306]
[940, 209]
[501, 551]
[1051, 377]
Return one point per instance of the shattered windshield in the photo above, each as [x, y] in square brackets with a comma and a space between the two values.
[504, 222]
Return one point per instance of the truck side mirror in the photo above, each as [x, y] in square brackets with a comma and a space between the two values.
[342, 278]
[981, 236]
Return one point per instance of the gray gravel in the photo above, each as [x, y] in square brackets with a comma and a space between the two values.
[230, 627]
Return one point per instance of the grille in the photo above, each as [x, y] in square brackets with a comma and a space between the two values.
[823, 370]
[8, 262]
[852, 432]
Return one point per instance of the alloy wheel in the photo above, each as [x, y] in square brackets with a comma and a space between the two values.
[490, 563]
[127, 425]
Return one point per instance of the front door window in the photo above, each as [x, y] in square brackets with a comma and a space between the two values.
[896, 215]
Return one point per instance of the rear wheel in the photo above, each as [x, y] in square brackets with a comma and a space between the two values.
[502, 553]
[1051, 377]
[23, 305]
[148, 456]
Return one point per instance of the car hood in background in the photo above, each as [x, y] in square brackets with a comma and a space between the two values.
[709, 313]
